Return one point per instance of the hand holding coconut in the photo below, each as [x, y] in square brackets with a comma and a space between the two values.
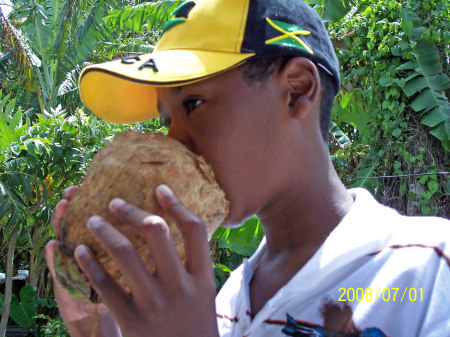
[81, 318]
[177, 300]
[137, 270]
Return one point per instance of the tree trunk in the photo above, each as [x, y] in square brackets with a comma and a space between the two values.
[8, 285]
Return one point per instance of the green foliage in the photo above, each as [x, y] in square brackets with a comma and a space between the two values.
[52, 327]
[136, 26]
[221, 273]
[39, 159]
[427, 80]
[141, 17]
[13, 206]
[243, 240]
[23, 312]
[394, 86]
[333, 10]
[55, 38]
[233, 245]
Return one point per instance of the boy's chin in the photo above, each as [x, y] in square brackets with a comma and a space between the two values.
[229, 222]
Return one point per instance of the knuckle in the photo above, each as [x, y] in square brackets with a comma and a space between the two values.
[175, 205]
[127, 210]
[194, 221]
[197, 224]
[101, 279]
[183, 290]
[122, 248]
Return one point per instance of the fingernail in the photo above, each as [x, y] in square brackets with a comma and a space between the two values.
[116, 203]
[81, 251]
[94, 221]
[164, 191]
[66, 191]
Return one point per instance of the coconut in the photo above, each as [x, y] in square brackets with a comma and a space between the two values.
[130, 168]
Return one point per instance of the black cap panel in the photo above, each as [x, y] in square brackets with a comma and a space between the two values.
[286, 27]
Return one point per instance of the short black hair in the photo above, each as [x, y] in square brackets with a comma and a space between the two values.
[258, 69]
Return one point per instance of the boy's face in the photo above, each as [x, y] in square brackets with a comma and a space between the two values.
[237, 128]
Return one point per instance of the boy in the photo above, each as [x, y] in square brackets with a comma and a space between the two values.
[249, 85]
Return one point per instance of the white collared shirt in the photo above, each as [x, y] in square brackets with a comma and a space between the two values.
[377, 274]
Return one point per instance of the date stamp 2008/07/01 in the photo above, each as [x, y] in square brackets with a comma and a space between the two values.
[381, 294]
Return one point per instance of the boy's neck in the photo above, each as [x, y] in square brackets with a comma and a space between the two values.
[295, 230]
[305, 217]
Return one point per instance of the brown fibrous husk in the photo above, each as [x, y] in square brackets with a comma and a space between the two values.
[130, 168]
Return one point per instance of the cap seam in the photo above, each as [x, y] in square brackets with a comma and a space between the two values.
[244, 11]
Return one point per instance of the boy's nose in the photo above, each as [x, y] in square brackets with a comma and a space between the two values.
[178, 134]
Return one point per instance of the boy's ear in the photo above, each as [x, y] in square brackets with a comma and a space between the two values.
[303, 81]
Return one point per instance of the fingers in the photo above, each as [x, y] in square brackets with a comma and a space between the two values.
[111, 293]
[70, 309]
[155, 232]
[121, 250]
[69, 192]
[60, 209]
[49, 253]
[57, 216]
[193, 230]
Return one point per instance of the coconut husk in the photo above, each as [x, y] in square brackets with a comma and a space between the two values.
[130, 168]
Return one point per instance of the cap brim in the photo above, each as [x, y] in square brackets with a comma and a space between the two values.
[125, 91]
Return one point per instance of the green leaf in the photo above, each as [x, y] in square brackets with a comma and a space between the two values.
[433, 186]
[363, 174]
[439, 132]
[425, 99]
[396, 51]
[428, 57]
[407, 66]
[340, 136]
[412, 25]
[24, 312]
[386, 80]
[29, 144]
[4, 206]
[142, 17]
[434, 118]
[26, 187]
[5, 133]
[243, 240]
[15, 148]
[438, 82]
[423, 180]
[336, 10]
[415, 85]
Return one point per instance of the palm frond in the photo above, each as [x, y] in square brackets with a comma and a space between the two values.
[17, 51]
[142, 17]
[427, 84]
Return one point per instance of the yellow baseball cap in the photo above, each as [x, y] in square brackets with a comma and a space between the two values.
[204, 38]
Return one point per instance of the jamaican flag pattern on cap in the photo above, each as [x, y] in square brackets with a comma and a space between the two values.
[272, 30]
[288, 35]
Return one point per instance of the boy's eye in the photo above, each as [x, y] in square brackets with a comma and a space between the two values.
[191, 104]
